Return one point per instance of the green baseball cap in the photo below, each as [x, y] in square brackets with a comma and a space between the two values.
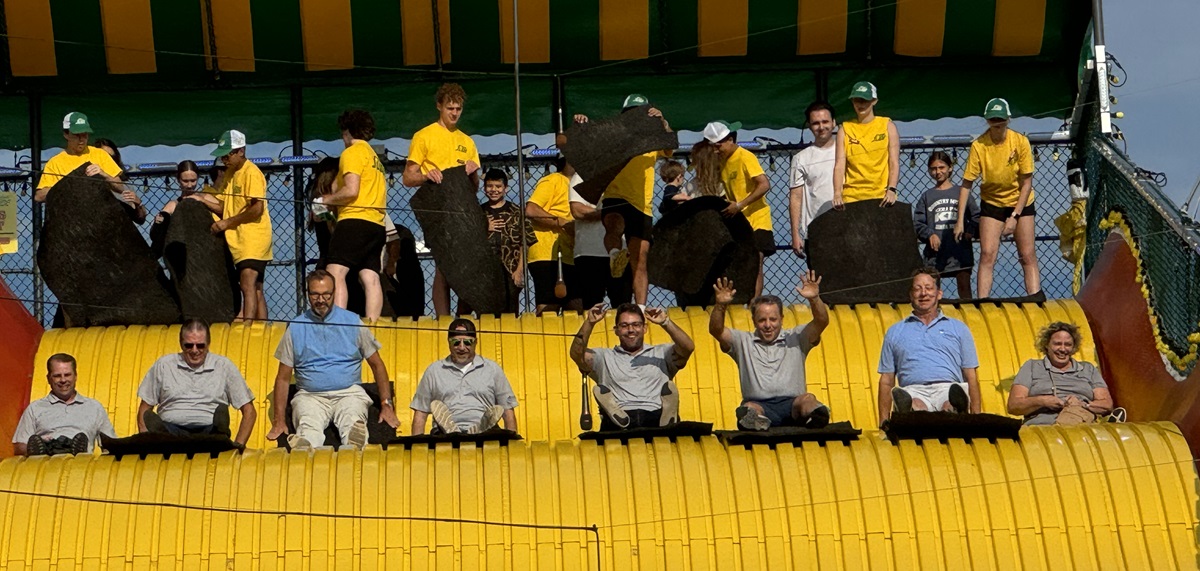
[230, 141]
[997, 108]
[634, 100]
[76, 122]
[864, 90]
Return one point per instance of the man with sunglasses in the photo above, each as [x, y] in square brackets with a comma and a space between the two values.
[465, 393]
[190, 392]
[325, 347]
[634, 382]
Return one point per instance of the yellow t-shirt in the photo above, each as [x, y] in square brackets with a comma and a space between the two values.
[361, 159]
[552, 193]
[63, 163]
[252, 240]
[1000, 164]
[438, 148]
[866, 159]
[635, 183]
[737, 173]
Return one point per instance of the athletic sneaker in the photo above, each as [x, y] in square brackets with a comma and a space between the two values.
[818, 418]
[608, 405]
[958, 399]
[36, 446]
[901, 400]
[79, 443]
[296, 443]
[491, 418]
[750, 419]
[358, 435]
[153, 422]
[617, 260]
[1117, 415]
[443, 418]
[670, 405]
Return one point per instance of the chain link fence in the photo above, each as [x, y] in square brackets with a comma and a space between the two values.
[296, 250]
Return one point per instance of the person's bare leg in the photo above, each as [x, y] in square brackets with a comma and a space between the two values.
[614, 228]
[340, 295]
[639, 250]
[758, 284]
[261, 313]
[246, 280]
[1027, 254]
[373, 292]
[989, 246]
[804, 405]
[963, 281]
[441, 293]
[919, 404]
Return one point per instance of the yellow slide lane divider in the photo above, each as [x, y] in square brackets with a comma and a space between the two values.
[841, 370]
[1109, 496]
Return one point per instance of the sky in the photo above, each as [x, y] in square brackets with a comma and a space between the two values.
[1157, 47]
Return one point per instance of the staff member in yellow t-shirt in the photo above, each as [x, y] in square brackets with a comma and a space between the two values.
[746, 186]
[245, 221]
[549, 209]
[1004, 160]
[627, 208]
[438, 147]
[360, 195]
[867, 157]
[77, 130]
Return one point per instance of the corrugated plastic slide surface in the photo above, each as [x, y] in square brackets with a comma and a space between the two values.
[533, 352]
[1111, 496]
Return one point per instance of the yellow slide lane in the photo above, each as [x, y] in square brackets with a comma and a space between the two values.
[1090, 497]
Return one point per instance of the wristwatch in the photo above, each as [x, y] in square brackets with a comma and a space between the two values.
[891, 188]
[1014, 215]
[387, 402]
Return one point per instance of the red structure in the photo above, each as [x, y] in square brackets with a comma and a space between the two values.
[22, 333]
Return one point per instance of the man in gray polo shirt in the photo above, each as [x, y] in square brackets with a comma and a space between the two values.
[771, 361]
[634, 382]
[464, 392]
[64, 421]
[193, 390]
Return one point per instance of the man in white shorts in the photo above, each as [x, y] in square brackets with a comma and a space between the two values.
[932, 356]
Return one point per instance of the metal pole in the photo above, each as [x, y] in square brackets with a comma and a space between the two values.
[299, 194]
[35, 167]
[1101, 66]
[520, 147]
[558, 97]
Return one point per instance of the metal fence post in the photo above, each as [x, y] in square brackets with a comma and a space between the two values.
[35, 168]
[298, 194]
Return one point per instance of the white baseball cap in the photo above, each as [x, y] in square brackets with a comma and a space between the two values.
[716, 131]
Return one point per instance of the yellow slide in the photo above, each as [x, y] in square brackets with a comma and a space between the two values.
[1120, 496]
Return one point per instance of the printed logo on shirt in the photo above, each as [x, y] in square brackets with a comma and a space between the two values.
[461, 148]
[1012, 157]
[879, 137]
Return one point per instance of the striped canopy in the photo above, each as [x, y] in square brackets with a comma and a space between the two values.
[758, 62]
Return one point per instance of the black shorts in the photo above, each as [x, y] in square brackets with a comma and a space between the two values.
[637, 223]
[778, 410]
[637, 419]
[545, 276]
[356, 244]
[1002, 213]
[764, 240]
[259, 266]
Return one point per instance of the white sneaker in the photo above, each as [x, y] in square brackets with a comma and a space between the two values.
[358, 435]
[443, 418]
[296, 443]
[491, 418]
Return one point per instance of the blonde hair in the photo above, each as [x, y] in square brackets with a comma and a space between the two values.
[1043, 339]
[706, 164]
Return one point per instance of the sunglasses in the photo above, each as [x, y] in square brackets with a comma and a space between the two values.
[466, 342]
[195, 345]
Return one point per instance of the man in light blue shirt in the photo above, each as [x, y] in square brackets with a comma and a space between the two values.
[325, 347]
[932, 356]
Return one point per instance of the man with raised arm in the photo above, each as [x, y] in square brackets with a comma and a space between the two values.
[438, 147]
[634, 382]
[190, 392]
[64, 421]
[932, 356]
[465, 393]
[770, 360]
[325, 347]
[77, 131]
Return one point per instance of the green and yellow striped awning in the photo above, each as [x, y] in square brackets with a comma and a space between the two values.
[795, 49]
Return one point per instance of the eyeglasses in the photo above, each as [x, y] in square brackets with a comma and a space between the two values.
[465, 342]
[321, 296]
[195, 345]
[631, 325]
